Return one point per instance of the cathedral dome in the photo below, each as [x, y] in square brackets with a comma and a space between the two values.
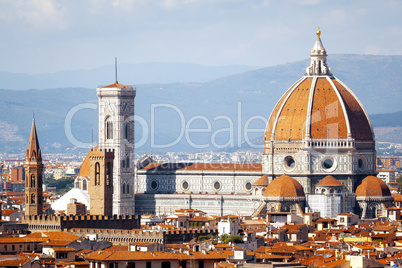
[284, 186]
[372, 186]
[262, 181]
[329, 181]
[319, 106]
[85, 168]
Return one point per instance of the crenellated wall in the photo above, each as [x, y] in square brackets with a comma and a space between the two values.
[64, 223]
[124, 237]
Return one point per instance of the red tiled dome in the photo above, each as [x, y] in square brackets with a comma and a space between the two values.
[333, 110]
[372, 186]
[284, 186]
[319, 106]
[329, 181]
[85, 168]
[262, 181]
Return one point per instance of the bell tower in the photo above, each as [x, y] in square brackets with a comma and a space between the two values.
[116, 131]
[100, 187]
[33, 175]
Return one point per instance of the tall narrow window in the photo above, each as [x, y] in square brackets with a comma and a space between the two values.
[84, 185]
[32, 180]
[97, 173]
[124, 188]
[109, 173]
[128, 188]
[128, 161]
[109, 128]
[32, 199]
[127, 131]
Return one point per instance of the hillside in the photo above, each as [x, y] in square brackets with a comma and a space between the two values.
[224, 102]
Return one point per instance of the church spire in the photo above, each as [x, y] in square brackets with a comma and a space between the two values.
[318, 65]
[33, 151]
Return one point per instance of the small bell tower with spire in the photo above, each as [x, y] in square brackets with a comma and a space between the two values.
[33, 175]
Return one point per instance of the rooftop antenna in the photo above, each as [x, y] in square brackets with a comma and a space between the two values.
[115, 69]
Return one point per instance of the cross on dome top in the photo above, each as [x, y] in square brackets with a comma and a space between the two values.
[318, 65]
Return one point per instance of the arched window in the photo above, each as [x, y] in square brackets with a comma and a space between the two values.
[84, 185]
[76, 184]
[109, 174]
[32, 199]
[128, 161]
[33, 180]
[128, 188]
[124, 188]
[97, 173]
[109, 128]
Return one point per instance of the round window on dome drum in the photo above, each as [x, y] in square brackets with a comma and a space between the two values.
[290, 163]
[362, 162]
[184, 185]
[154, 185]
[247, 186]
[217, 186]
[329, 164]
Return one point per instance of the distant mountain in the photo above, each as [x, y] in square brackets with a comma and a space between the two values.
[142, 73]
[220, 108]
[387, 120]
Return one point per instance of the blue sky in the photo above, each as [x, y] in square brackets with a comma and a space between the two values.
[53, 35]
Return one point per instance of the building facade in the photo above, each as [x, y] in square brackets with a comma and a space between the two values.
[318, 134]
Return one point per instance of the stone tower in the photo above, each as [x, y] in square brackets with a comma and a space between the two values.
[116, 131]
[100, 187]
[33, 175]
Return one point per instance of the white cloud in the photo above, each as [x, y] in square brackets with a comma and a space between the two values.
[38, 13]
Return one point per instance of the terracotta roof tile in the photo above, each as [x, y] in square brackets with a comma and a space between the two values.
[116, 85]
[158, 255]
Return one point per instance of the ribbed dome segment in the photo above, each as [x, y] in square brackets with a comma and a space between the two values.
[329, 181]
[262, 181]
[319, 108]
[372, 186]
[284, 186]
[85, 168]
